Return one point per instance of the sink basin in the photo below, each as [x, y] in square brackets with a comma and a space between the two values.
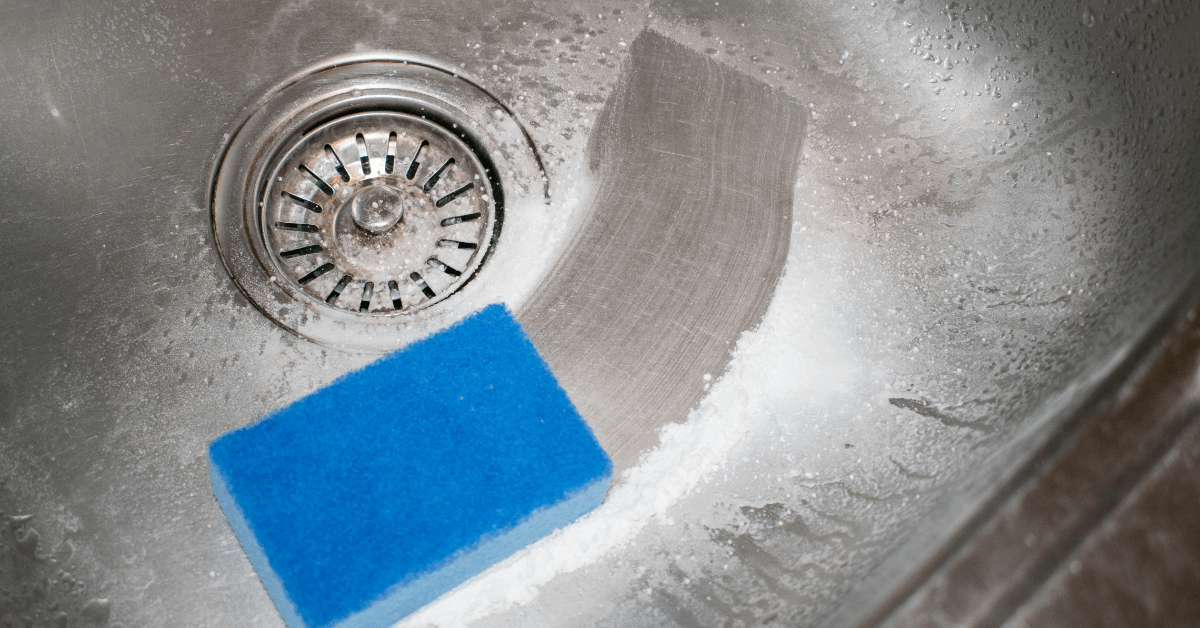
[824, 277]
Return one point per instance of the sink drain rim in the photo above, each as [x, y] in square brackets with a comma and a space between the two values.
[315, 97]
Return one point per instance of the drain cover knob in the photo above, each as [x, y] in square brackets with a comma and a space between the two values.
[377, 208]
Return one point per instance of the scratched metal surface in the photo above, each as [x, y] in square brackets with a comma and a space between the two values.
[1000, 194]
[662, 279]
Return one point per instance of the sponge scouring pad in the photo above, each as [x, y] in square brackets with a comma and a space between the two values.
[362, 502]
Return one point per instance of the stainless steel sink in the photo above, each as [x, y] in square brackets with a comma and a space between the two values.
[869, 264]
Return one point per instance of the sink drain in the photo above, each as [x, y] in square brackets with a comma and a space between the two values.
[359, 197]
[379, 212]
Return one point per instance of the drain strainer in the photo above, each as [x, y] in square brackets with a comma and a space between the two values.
[358, 198]
[379, 212]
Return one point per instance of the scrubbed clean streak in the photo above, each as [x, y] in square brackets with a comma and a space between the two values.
[363, 501]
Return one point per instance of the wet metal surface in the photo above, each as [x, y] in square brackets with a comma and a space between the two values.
[1067, 509]
[992, 208]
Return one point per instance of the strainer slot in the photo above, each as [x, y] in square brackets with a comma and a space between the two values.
[438, 264]
[297, 226]
[304, 250]
[303, 202]
[316, 272]
[451, 197]
[454, 220]
[420, 281]
[364, 156]
[433, 179]
[320, 183]
[412, 167]
[389, 163]
[455, 244]
[394, 290]
[337, 290]
[364, 303]
[337, 163]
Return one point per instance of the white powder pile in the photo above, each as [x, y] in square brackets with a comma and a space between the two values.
[533, 236]
[796, 354]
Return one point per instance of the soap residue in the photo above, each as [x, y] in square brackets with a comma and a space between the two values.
[533, 237]
[798, 352]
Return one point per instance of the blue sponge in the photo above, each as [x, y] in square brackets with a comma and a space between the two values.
[366, 500]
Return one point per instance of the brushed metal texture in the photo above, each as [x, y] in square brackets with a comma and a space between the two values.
[684, 244]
